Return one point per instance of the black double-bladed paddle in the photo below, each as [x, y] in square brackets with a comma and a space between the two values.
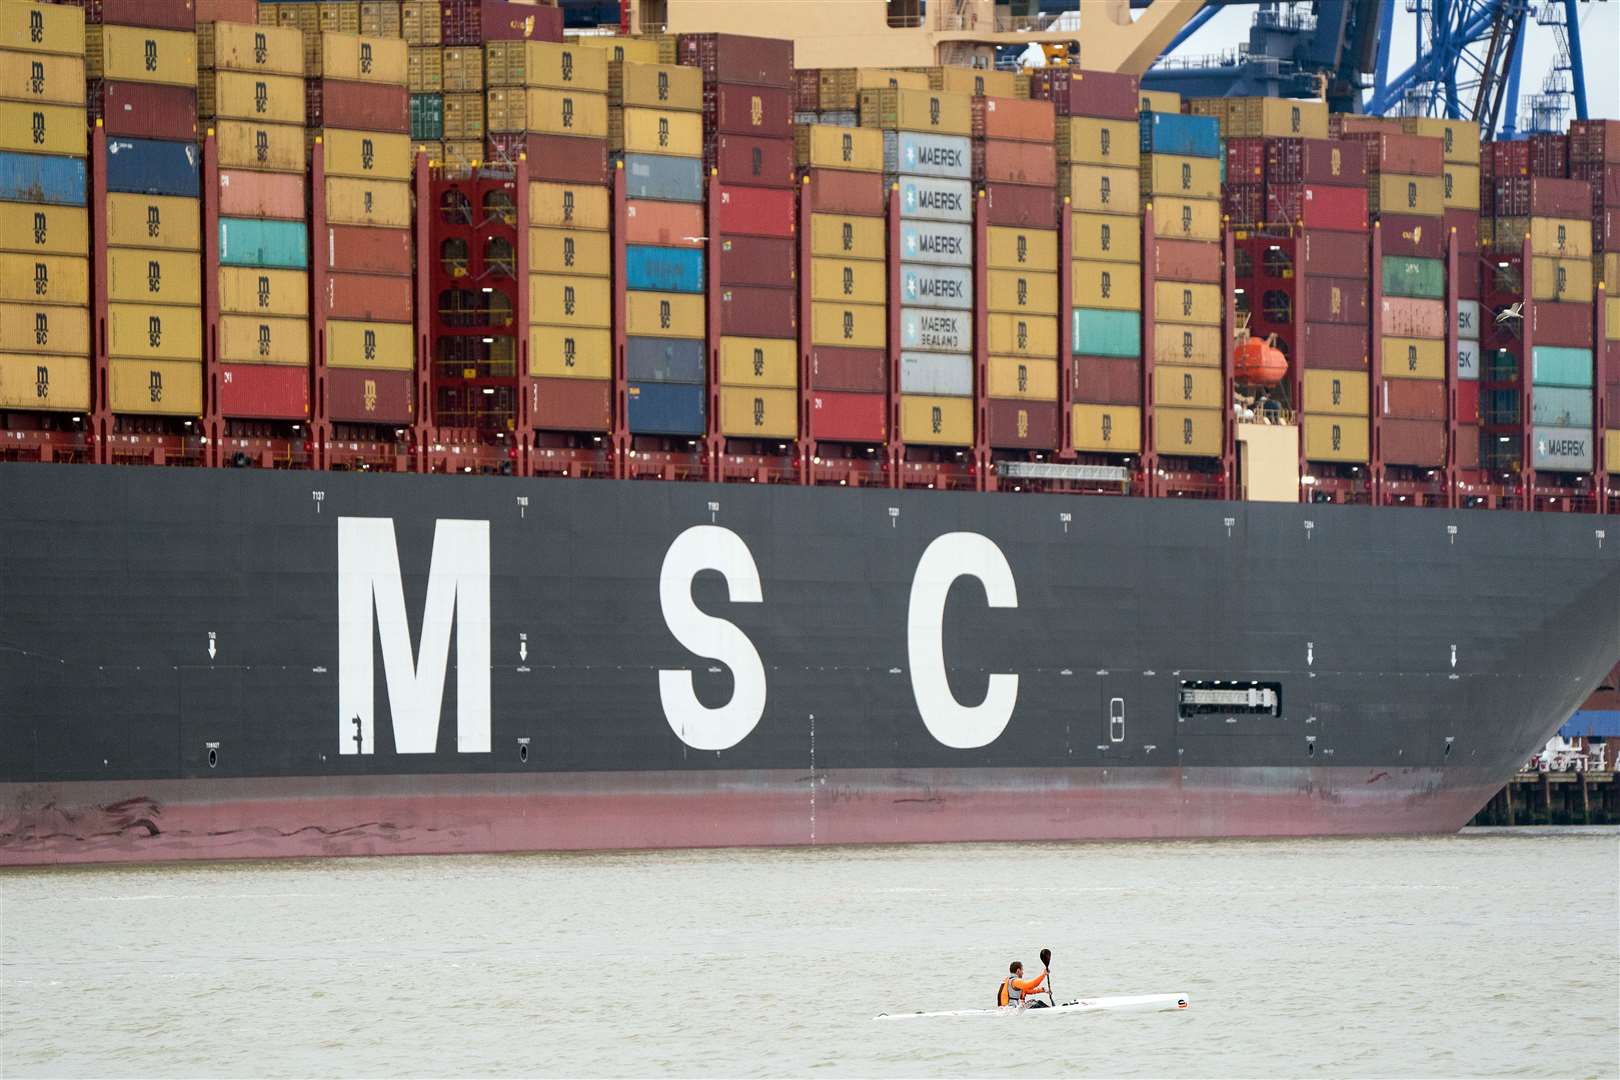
[1046, 963]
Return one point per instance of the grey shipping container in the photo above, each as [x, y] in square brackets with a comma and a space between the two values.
[663, 360]
[672, 179]
[1560, 449]
[947, 374]
[917, 154]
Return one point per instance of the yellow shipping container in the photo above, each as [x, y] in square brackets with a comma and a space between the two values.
[54, 80]
[46, 383]
[1188, 432]
[554, 112]
[1337, 393]
[1562, 238]
[1460, 186]
[653, 131]
[656, 86]
[1107, 429]
[1188, 177]
[1187, 387]
[265, 147]
[137, 54]
[463, 117]
[1188, 302]
[1276, 118]
[1333, 438]
[572, 250]
[250, 339]
[936, 421]
[1022, 335]
[1414, 358]
[252, 291]
[424, 70]
[859, 326]
[770, 362]
[1190, 346]
[237, 47]
[656, 314]
[371, 346]
[1561, 279]
[1611, 439]
[637, 50]
[1021, 249]
[936, 112]
[42, 28]
[1397, 193]
[45, 279]
[1022, 291]
[367, 154]
[237, 95]
[981, 82]
[561, 65]
[368, 202]
[758, 413]
[848, 237]
[885, 78]
[462, 152]
[1611, 320]
[1106, 190]
[566, 353]
[151, 332]
[574, 206]
[1459, 139]
[354, 58]
[1161, 101]
[826, 146]
[155, 387]
[160, 221]
[42, 129]
[1106, 238]
[45, 230]
[1611, 272]
[1115, 143]
[45, 328]
[850, 282]
[1111, 286]
[1176, 218]
[153, 276]
[419, 21]
[1022, 377]
[565, 300]
[461, 69]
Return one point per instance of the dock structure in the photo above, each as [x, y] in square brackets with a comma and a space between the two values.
[1554, 798]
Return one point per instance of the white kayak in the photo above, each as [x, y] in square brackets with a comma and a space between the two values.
[1139, 1003]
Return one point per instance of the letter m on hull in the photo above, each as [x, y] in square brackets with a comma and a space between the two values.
[457, 596]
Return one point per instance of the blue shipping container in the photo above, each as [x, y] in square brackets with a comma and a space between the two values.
[667, 409]
[663, 360]
[1107, 333]
[38, 178]
[255, 242]
[663, 269]
[154, 167]
[1187, 136]
[672, 179]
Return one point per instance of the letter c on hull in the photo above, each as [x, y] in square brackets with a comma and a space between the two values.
[951, 556]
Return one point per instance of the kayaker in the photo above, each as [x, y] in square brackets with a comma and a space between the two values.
[1015, 988]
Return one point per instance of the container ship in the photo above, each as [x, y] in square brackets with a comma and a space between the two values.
[426, 431]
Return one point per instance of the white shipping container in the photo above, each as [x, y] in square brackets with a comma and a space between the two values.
[918, 154]
[935, 286]
[1560, 449]
[1468, 327]
[936, 331]
[936, 242]
[933, 199]
[944, 374]
[1468, 360]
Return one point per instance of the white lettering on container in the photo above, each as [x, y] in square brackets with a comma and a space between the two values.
[949, 557]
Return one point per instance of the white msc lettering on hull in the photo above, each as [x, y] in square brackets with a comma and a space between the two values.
[951, 556]
[457, 595]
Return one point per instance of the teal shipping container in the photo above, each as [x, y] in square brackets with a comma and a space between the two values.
[1107, 333]
[255, 242]
[1552, 365]
[1558, 406]
[1420, 279]
[427, 116]
[663, 269]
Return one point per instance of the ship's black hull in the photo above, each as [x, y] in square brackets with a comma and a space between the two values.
[173, 651]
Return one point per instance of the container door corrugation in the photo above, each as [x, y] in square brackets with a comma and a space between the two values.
[42, 129]
[255, 242]
[384, 203]
[250, 339]
[1184, 177]
[1106, 286]
[935, 286]
[1106, 189]
[137, 54]
[1022, 291]
[853, 281]
[1188, 302]
[155, 387]
[758, 413]
[767, 362]
[42, 229]
[1107, 429]
[560, 352]
[236, 95]
[1186, 344]
[1187, 219]
[367, 154]
[1188, 432]
[1021, 249]
[157, 221]
[943, 374]
[1187, 387]
[34, 381]
[1340, 393]
[917, 110]
[237, 47]
[45, 328]
[251, 291]
[847, 237]
[1099, 332]
[563, 300]
[370, 345]
[33, 77]
[1091, 141]
[564, 65]
[575, 206]
[353, 58]
[146, 331]
[936, 331]
[1398, 193]
[936, 421]
[1106, 237]
[654, 314]
[940, 242]
[1561, 279]
[656, 86]
[1022, 335]
[268, 147]
[1414, 358]
[1023, 378]
[42, 28]
[825, 146]
[574, 251]
[149, 276]
[656, 131]
[45, 279]
[860, 326]
[1334, 438]
[935, 200]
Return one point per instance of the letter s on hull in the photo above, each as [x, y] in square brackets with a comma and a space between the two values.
[710, 547]
[949, 557]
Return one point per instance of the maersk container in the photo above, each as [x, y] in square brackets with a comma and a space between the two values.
[1560, 449]
[1552, 365]
[663, 269]
[920, 154]
[664, 360]
[1468, 359]
[1107, 333]
[936, 242]
[936, 331]
[935, 286]
[257, 242]
[666, 409]
[673, 179]
[1557, 406]
[935, 199]
[38, 178]
[1175, 133]
[945, 374]
[154, 167]
[1422, 279]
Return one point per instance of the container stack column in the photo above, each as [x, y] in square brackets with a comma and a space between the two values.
[1594, 156]
[424, 73]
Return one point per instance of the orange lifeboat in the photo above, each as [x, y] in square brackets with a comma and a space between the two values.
[1259, 363]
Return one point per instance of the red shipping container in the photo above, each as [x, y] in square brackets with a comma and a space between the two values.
[1332, 162]
[236, 11]
[1014, 119]
[849, 417]
[666, 224]
[1412, 235]
[1549, 156]
[473, 22]
[1466, 222]
[1245, 204]
[750, 161]
[765, 111]
[751, 211]
[143, 110]
[1020, 204]
[1338, 208]
[1405, 317]
[357, 106]
[1469, 276]
[1336, 254]
[807, 90]
[371, 397]
[1595, 140]
[364, 250]
[849, 369]
[1336, 347]
[571, 404]
[769, 261]
[1003, 161]
[262, 195]
[1566, 325]
[1508, 158]
[557, 159]
[735, 58]
[1413, 155]
[1467, 446]
[1023, 425]
[1187, 260]
[264, 391]
[1413, 442]
[1523, 196]
[835, 191]
[1467, 402]
[1106, 380]
[1245, 161]
[158, 14]
[1611, 403]
[370, 297]
[756, 312]
[1102, 94]
[1339, 300]
[1415, 399]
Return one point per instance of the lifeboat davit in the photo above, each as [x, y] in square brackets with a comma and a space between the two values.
[1259, 363]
